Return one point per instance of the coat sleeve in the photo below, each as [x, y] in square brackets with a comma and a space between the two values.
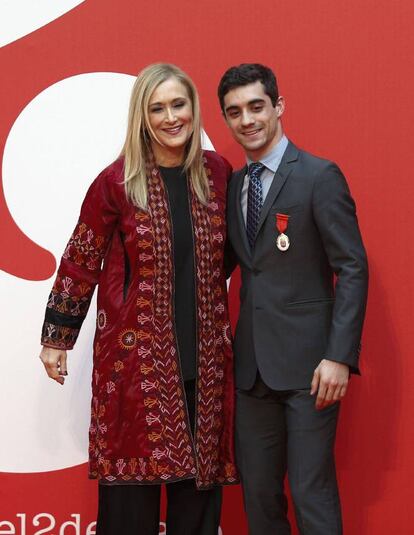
[80, 266]
[335, 215]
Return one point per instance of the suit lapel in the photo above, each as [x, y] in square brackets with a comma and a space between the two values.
[239, 180]
[281, 175]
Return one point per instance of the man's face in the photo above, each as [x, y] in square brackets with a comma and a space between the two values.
[252, 118]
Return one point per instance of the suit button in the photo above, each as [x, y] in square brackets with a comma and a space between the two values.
[256, 271]
[258, 308]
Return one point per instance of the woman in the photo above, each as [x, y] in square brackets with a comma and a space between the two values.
[162, 405]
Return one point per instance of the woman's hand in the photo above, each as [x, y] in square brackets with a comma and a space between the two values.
[54, 361]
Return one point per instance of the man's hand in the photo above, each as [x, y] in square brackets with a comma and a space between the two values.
[54, 361]
[330, 381]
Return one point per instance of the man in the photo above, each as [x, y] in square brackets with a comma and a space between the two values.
[291, 227]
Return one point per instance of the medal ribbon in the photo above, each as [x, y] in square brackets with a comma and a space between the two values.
[282, 222]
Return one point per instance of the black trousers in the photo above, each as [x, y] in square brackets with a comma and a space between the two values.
[279, 432]
[135, 509]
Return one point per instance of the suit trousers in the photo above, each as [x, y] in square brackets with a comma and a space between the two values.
[279, 432]
[135, 509]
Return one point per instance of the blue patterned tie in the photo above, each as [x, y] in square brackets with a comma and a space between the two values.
[254, 201]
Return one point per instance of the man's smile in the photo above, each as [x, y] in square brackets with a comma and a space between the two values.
[251, 133]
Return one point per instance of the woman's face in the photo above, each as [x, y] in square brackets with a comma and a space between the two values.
[170, 116]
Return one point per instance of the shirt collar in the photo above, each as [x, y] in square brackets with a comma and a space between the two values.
[272, 159]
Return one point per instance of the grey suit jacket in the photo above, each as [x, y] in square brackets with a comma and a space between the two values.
[292, 314]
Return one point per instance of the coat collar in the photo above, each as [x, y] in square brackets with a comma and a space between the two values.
[285, 168]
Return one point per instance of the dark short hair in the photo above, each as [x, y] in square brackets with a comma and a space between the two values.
[248, 73]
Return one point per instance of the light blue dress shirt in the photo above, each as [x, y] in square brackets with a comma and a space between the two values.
[271, 161]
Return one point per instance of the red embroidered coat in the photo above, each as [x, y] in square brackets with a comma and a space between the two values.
[140, 431]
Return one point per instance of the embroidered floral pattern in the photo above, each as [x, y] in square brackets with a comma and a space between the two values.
[127, 339]
[119, 365]
[58, 336]
[171, 398]
[70, 299]
[101, 319]
[209, 228]
[85, 248]
[67, 299]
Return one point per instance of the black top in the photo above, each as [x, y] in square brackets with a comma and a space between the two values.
[175, 181]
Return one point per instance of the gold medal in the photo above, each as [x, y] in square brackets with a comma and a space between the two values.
[282, 242]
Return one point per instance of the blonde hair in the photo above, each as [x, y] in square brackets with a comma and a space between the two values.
[137, 151]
